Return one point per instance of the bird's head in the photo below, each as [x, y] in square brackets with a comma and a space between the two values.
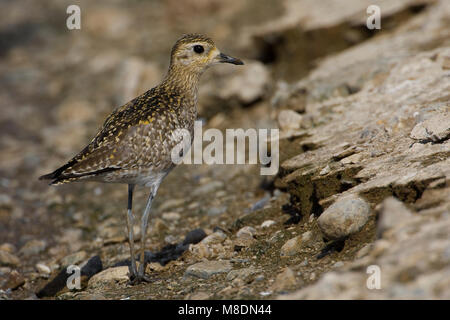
[196, 52]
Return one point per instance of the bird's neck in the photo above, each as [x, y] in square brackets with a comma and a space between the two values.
[183, 80]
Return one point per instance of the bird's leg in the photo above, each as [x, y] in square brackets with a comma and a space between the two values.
[130, 225]
[144, 224]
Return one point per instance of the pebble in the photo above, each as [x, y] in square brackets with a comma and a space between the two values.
[207, 269]
[246, 233]
[170, 239]
[284, 280]
[267, 223]
[200, 250]
[109, 277]
[325, 170]
[8, 247]
[260, 203]
[8, 259]
[42, 268]
[214, 238]
[338, 264]
[260, 278]
[289, 120]
[344, 217]
[216, 211]
[33, 247]
[293, 246]
[171, 216]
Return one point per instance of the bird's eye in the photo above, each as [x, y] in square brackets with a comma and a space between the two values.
[198, 49]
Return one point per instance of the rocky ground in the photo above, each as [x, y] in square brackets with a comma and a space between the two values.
[363, 185]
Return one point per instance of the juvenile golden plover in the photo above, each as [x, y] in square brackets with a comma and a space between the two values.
[135, 143]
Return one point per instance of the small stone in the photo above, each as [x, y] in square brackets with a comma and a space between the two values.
[325, 170]
[200, 250]
[207, 269]
[289, 120]
[8, 247]
[338, 264]
[246, 233]
[216, 211]
[291, 247]
[74, 259]
[260, 203]
[13, 281]
[170, 239]
[284, 280]
[171, 216]
[267, 223]
[109, 276]
[259, 278]
[42, 268]
[214, 238]
[33, 247]
[5, 270]
[8, 259]
[344, 217]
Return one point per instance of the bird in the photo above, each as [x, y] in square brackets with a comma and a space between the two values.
[134, 144]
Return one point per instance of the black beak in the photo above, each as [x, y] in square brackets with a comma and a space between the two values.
[227, 59]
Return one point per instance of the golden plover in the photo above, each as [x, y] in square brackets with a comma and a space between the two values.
[135, 143]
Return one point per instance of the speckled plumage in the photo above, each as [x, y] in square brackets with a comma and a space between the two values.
[134, 145]
[136, 139]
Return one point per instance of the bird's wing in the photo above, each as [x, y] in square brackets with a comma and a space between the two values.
[131, 137]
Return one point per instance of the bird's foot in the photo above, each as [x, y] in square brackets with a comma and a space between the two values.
[139, 279]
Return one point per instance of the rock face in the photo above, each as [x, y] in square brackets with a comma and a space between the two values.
[207, 269]
[109, 276]
[344, 217]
